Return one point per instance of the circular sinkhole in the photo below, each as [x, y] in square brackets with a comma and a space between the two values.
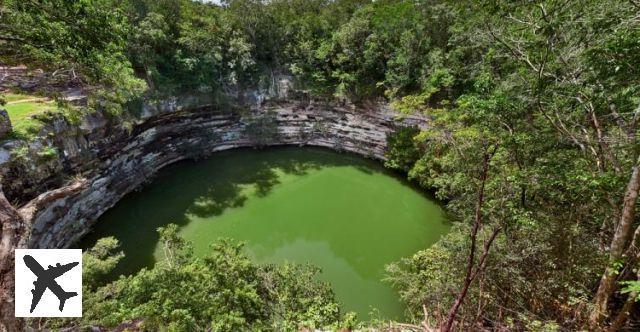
[343, 213]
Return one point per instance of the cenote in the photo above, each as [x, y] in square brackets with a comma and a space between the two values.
[343, 213]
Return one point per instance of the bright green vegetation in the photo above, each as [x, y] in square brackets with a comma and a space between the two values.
[22, 108]
[533, 143]
[222, 291]
[343, 214]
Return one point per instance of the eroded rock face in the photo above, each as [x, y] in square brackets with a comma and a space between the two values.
[108, 160]
[5, 124]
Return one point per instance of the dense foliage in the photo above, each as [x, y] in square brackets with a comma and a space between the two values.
[534, 109]
[540, 90]
[81, 41]
[223, 291]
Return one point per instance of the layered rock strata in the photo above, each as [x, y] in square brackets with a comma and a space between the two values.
[100, 161]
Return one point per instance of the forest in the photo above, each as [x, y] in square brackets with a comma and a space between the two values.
[533, 111]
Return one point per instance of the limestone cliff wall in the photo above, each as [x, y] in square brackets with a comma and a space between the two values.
[100, 162]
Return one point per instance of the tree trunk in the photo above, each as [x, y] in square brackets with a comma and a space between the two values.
[471, 271]
[10, 238]
[623, 315]
[618, 245]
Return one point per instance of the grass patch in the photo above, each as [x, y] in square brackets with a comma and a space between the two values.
[14, 97]
[22, 108]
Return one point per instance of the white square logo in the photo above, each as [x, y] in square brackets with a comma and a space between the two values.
[48, 283]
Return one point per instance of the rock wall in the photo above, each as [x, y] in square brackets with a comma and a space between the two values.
[101, 162]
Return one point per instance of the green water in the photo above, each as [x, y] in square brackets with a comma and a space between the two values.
[343, 213]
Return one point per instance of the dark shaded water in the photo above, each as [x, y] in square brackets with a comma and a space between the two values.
[343, 213]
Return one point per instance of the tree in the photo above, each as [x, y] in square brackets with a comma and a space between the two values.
[80, 40]
[222, 291]
[556, 89]
[402, 149]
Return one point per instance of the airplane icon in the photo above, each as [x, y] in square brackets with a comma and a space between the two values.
[46, 279]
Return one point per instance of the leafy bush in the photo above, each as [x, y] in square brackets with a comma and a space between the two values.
[223, 291]
[402, 149]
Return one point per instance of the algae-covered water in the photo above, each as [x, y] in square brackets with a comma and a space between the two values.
[343, 213]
